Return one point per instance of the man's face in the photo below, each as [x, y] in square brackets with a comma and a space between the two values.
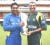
[14, 9]
[32, 7]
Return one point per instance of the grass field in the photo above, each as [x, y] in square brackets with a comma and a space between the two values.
[45, 37]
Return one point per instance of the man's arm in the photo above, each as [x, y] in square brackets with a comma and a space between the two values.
[8, 27]
[33, 31]
[43, 23]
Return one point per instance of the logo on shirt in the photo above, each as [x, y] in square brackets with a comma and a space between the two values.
[31, 26]
[33, 19]
[18, 20]
[13, 23]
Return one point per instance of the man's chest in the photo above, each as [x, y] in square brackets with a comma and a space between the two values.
[15, 20]
[32, 19]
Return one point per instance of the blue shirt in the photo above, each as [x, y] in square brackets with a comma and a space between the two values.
[11, 23]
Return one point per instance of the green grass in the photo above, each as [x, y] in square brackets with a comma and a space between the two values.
[45, 37]
[2, 36]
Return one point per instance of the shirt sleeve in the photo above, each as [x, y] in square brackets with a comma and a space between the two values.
[7, 26]
[43, 23]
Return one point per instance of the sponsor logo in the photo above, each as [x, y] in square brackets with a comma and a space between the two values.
[31, 26]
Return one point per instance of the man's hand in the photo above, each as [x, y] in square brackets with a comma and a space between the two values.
[21, 24]
[29, 33]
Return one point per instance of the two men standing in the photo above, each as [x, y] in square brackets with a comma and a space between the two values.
[13, 24]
